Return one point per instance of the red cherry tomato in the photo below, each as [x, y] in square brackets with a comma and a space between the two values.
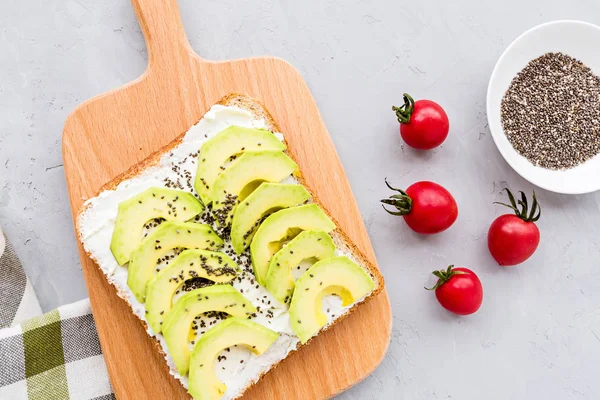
[426, 207]
[458, 290]
[424, 124]
[512, 239]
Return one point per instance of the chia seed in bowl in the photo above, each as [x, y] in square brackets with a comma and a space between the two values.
[551, 112]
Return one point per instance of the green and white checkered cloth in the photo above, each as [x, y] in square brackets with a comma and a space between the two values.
[53, 356]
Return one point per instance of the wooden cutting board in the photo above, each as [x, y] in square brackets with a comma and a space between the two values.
[106, 135]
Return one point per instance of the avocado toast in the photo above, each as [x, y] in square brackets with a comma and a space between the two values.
[252, 231]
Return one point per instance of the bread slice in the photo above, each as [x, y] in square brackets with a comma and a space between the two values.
[259, 112]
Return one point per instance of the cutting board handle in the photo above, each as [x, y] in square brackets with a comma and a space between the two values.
[163, 30]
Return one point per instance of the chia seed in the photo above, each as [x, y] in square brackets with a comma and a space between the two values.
[196, 283]
[551, 112]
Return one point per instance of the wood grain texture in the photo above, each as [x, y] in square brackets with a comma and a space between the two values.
[108, 134]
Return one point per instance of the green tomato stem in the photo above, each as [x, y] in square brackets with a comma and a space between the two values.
[444, 276]
[404, 112]
[401, 201]
[531, 216]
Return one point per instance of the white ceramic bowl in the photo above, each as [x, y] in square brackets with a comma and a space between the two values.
[577, 39]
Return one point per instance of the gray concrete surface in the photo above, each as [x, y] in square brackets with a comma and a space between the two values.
[537, 335]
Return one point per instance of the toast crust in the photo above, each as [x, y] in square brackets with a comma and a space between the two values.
[340, 238]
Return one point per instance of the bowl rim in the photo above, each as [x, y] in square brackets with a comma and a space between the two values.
[493, 78]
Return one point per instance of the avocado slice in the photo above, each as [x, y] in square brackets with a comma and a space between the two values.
[336, 275]
[307, 244]
[172, 205]
[178, 322]
[216, 267]
[244, 175]
[204, 383]
[168, 236]
[281, 227]
[226, 146]
[268, 198]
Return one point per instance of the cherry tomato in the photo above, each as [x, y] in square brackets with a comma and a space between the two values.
[424, 124]
[512, 239]
[426, 207]
[458, 290]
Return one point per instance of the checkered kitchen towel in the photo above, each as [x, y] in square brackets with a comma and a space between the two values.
[53, 356]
